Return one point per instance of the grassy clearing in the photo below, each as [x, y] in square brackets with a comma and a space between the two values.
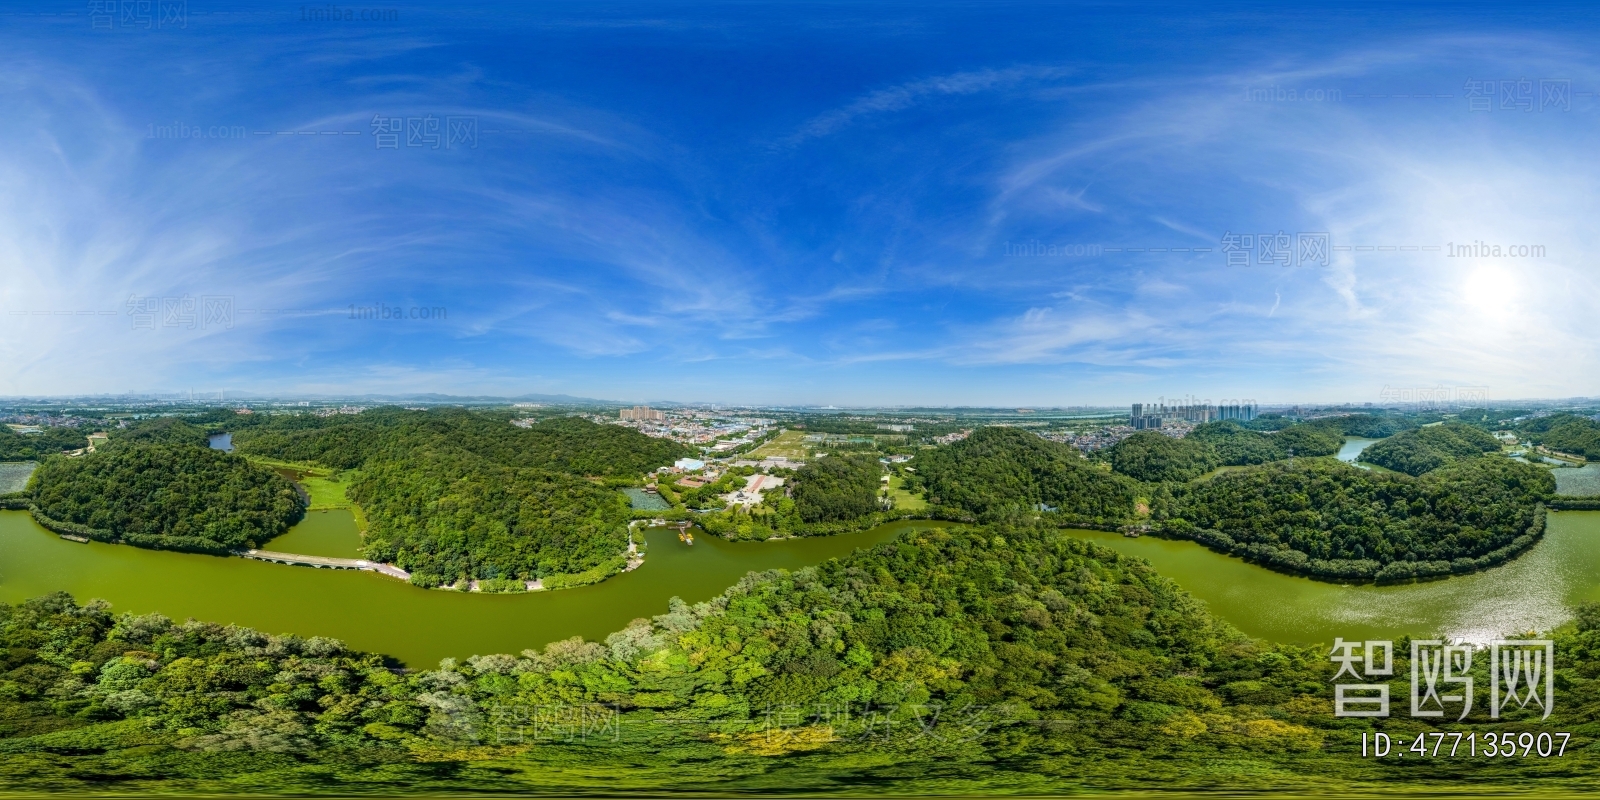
[326, 490]
[789, 444]
[904, 500]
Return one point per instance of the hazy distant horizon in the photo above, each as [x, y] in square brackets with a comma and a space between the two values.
[433, 398]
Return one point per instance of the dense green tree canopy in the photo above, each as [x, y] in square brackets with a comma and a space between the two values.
[161, 430]
[837, 487]
[34, 446]
[1153, 456]
[445, 518]
[1269, 422]
[454, 495]
[562, 444]
[1543, 423]
[1229, 443]
[1000, 471]
[1366, 426]
[984, 658]
[341, 445]
[1234, 445]
[1322, 511]
[169, 496]
[1423, 449]
[1307, 440]
[1569, 433]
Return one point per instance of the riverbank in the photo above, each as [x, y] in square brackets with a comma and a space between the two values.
[378, 613]
[1536, 591]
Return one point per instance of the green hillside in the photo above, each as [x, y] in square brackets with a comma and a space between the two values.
[1423, 449]
[166, 496]
[999, 472]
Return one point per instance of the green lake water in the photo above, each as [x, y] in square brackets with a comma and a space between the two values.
[322, 533]
[1353, 447]
[377, 613]
[1584, 480]
[1535, 592]
[642, 500]
[14, 475]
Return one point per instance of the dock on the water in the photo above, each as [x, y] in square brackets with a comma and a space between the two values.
[324, 562]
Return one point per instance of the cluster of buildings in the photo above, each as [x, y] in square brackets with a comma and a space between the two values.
[694, 471]
[715, 431]
[1087, 441]
[1101, 438]
[952, 438]
[331, 412]
[1159, 415]
[41, 421]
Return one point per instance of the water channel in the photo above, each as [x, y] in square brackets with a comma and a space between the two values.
[1352, 448]
[373, 612]
[1535, 592]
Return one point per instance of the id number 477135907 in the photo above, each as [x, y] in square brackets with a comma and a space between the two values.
[1455, 744]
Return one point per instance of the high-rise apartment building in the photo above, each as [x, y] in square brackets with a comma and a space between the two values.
[1242, 412]
[644, 414]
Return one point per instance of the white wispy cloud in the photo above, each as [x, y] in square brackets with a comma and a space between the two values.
[911, 93]
[1367, 173]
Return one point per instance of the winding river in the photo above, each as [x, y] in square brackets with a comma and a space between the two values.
[1535, 592]
[373, 612]
[381, 614]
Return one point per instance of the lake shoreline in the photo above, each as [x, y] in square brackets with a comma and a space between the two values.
[379, 614]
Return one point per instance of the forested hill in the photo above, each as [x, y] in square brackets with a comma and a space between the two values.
[1332, 520]
[837, 488]
[455, 496]
[34, 446]
[1566, 433]
[999, 659]
[561, 444]
[450, 519]
[177, 497]
[162, 430]
[997, 472]
[1415, 452]
[1153, 456]
[1366, 426]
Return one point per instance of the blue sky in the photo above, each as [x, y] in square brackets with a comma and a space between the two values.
[824, 203]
